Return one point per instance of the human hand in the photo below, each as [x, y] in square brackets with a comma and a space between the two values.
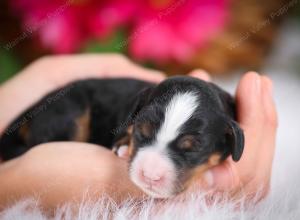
[48, 171]
[234, 175]
[52, 72]
[65, 172]
[57, 173]
[256, 114]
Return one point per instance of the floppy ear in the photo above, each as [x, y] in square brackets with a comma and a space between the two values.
[134, 107]
[235, 140]
[140, 101]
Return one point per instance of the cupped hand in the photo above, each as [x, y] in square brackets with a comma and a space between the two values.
[257, 117]
[65, 172]
[60, 172]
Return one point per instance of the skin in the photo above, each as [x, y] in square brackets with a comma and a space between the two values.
[257, 117]
[57, 173]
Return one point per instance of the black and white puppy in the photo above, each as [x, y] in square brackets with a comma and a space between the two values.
[172, 132]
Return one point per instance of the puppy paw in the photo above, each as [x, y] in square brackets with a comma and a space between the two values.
[121, 151]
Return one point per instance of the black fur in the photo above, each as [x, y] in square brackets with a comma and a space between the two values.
[115, 104]
[53, 118]
[212, 125]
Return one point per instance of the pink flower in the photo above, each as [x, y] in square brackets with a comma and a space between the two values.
[106, 18]
[159, 31]
[177, 30]
[64, 26]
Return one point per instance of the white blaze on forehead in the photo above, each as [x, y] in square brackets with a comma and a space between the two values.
[178, 111]
[153, 160]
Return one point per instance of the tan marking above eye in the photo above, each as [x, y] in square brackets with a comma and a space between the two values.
[146, 128]
[187, 142]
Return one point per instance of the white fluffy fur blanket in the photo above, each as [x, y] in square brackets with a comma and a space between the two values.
[283, 201]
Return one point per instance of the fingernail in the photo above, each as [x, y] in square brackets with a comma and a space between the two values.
[209, 179]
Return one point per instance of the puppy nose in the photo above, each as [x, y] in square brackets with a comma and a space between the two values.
[152, 178]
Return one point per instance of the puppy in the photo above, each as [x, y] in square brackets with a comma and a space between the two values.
[172, 132]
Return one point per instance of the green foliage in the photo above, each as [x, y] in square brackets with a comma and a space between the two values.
[116, 43]
[8, 65]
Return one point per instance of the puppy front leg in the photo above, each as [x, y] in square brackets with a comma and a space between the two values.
[123, 146]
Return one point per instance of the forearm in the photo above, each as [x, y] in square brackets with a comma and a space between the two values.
[57, 173]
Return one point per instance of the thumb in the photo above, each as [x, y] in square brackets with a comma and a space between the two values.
[222, 177]
[226, 176]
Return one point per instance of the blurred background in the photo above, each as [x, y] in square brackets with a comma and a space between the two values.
[224, 37]
[221, 36]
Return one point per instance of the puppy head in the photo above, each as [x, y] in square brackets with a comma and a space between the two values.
[180, 130]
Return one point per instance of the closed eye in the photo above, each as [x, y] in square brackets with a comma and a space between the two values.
[188, 143]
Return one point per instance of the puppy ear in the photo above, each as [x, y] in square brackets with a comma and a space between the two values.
[140, 101]
[235, 139]
[134, 106]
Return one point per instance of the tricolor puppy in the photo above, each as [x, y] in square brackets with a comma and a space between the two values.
[172, 132]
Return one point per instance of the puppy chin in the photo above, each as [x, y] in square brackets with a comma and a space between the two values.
[154, 173]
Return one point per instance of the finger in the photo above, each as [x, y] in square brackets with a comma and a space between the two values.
[251, 117]
[271, 118]
[258, 115]
[137, 72]
[267, 149]
[250, 113]
[222, 177]
[249, 107]
[76, 67]
[201, 74]
[249, 101]
[120, 66]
